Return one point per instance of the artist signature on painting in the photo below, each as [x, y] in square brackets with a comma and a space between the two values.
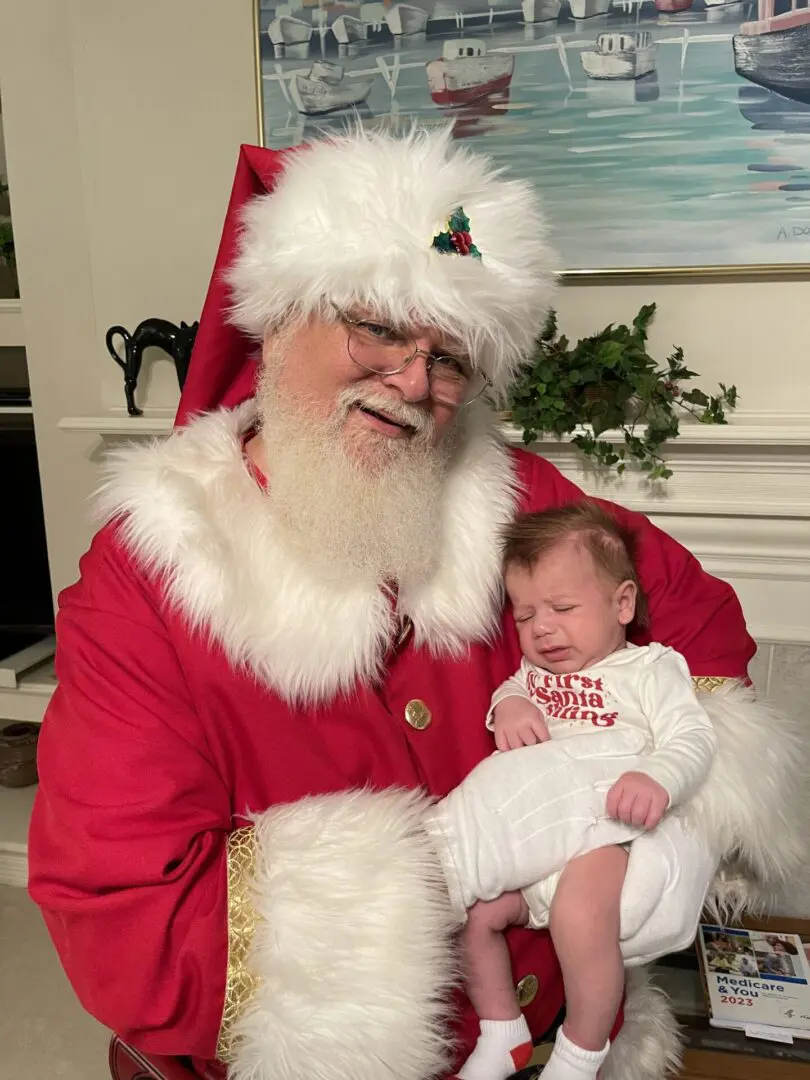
[793, 232]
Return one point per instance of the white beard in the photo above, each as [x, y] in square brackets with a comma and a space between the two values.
[373, 517]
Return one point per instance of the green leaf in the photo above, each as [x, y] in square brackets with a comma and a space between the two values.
[553, 394]
[643, 320]
[549, 331]
[610, 353]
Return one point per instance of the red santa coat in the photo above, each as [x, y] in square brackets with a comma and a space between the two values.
[205, 681]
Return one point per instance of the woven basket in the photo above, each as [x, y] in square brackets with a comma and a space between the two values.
[18, 755]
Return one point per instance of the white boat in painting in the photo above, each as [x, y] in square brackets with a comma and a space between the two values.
[466, 73]
[372, 15]
[406, 19]
[586, 9]
[774, 51]
[348, 29]
[537, 11]
[326, 88]
[287, 30]
[731, 11]
[620, 55]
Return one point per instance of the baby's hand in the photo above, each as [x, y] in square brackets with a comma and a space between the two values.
[637, 799]
[518, 723]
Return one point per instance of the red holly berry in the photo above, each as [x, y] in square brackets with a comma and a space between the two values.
[461, 242]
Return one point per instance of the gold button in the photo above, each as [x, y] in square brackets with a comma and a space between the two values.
[418, 715]
[526, 990]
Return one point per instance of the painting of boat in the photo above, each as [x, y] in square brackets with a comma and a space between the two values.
[587, 9]
[538, 11]
[774, 51]
[287, 30]
[372, 15]
[466, 72]
[732, 12]
[326, 88]
[347, 29]
[406, 19]
[620, 56]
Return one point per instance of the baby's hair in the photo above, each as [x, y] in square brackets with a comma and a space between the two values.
[610, 545]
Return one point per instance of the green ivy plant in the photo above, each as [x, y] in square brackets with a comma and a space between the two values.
[609, 382]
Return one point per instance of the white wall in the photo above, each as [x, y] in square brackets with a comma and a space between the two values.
[123, 122]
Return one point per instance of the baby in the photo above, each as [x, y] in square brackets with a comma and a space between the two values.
[597, 739]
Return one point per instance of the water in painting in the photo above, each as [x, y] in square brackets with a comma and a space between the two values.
[660, 132]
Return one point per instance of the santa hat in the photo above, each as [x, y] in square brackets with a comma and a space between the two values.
[415, 228]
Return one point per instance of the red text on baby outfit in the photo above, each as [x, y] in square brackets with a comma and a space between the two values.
[571, 697]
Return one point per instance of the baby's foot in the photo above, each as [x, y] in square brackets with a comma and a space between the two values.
[503, 1047]
[570, 1062]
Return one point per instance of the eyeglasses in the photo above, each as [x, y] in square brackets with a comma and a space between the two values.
[382, 350]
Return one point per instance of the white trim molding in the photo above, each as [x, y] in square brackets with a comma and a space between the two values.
[756, 465]
[745, 429]
[12, 326]
[118, 425]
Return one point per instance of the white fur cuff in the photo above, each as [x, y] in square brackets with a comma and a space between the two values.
[353, 944]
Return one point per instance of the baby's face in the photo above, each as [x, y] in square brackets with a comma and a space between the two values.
[568, 615]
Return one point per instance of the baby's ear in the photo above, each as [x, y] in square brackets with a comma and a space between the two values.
[625, 598]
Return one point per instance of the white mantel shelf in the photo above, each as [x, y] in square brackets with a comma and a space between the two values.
[755, 430]
[757, 465]
[744, 429]
[29, 699]
[117, 426]
[12, 327]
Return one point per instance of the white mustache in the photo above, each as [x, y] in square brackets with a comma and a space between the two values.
[401, 411]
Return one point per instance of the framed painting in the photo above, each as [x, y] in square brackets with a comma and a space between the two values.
[666, 136]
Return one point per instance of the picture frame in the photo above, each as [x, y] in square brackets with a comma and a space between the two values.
[669, 139]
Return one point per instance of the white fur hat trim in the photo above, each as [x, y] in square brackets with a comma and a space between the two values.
[352, 221]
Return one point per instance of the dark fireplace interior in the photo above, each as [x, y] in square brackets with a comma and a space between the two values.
[26, 606]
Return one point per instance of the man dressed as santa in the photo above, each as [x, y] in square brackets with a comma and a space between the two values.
[286, 635]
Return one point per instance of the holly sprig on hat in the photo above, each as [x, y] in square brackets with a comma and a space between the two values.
[455, 238]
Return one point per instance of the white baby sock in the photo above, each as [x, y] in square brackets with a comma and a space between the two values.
[570, 1062]
[503, 1047]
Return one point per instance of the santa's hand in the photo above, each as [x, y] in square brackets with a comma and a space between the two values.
[637, 799]
[518, 723]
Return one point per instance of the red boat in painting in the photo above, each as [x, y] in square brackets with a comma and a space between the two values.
[670, 6]
[466, 72]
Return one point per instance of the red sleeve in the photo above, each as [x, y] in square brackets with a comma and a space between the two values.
[690, 610]
[128, 836]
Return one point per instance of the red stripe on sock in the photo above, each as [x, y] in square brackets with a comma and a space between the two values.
[521, 1055]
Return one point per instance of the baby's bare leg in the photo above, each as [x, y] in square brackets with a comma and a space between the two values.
[504, 1044]
[584, 925]
[488, 968]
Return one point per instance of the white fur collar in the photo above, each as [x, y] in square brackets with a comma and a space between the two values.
[191, 513]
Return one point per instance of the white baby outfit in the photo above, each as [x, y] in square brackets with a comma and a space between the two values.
[520, 816]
